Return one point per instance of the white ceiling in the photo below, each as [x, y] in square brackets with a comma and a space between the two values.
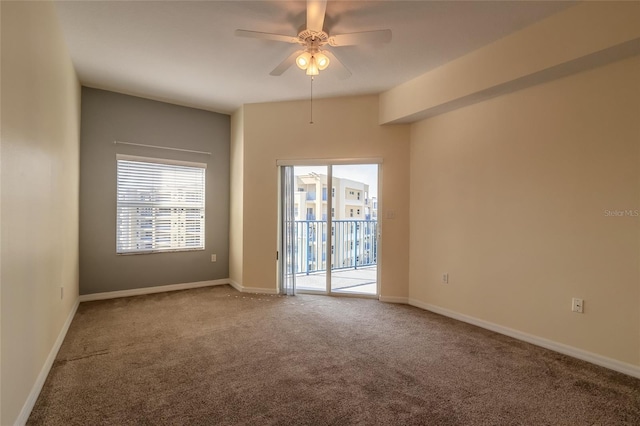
[185, 52]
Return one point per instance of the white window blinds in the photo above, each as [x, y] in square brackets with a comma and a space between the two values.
[160, 206]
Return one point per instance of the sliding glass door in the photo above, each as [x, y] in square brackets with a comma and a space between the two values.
[329, 232]
[354, 231]
[310, 207]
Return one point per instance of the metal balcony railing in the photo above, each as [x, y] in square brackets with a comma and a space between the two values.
[354, 244]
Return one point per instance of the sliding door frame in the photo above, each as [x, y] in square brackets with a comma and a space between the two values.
[329, 163]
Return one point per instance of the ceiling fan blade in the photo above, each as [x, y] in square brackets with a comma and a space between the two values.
[338, 67]
[266, 36]
[379, 36]
[284, 65]
[315, 14]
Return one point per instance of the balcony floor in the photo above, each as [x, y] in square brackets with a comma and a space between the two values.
[355, 281]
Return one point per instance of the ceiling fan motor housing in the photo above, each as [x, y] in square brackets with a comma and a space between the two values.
[312, 40]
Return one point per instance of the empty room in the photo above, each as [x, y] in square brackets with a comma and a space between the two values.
[320, 212]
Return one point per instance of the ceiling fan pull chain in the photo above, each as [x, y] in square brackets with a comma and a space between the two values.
[311, 122]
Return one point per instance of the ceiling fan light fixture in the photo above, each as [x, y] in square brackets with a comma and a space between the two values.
[313, 69]
[303, 60]
[322, 60]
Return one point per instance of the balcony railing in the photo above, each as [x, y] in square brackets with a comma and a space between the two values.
[354, 244]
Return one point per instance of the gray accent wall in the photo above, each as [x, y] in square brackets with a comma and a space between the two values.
[109, 116]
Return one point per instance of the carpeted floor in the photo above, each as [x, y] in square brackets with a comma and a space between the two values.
[215, 356]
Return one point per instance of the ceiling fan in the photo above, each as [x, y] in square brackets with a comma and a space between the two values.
[313, 57]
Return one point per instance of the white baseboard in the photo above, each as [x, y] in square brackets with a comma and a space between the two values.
[257, 290]
[393, 299]
[236, 285]
[603, 361]
[44, 372]
[150, 290]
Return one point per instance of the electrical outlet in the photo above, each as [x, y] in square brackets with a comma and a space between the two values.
[577, 305]
[445, 278]
[61, 293]
[213, 257]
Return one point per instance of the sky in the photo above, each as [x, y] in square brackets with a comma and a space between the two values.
[366, 173]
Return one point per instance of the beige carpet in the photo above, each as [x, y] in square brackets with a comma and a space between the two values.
[215, 356]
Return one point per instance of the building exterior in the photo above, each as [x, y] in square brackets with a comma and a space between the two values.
[351, 199]
[353, 229]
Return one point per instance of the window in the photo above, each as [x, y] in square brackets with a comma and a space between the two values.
[160, 205]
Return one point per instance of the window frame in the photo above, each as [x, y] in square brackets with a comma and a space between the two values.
[165, 162]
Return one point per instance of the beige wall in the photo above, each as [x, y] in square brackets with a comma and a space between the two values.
[344, 128]
[585, 35]
[509, 197]
[39, 194]
[236, 235]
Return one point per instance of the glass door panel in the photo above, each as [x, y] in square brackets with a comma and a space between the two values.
[354, 230]
[310, 211]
